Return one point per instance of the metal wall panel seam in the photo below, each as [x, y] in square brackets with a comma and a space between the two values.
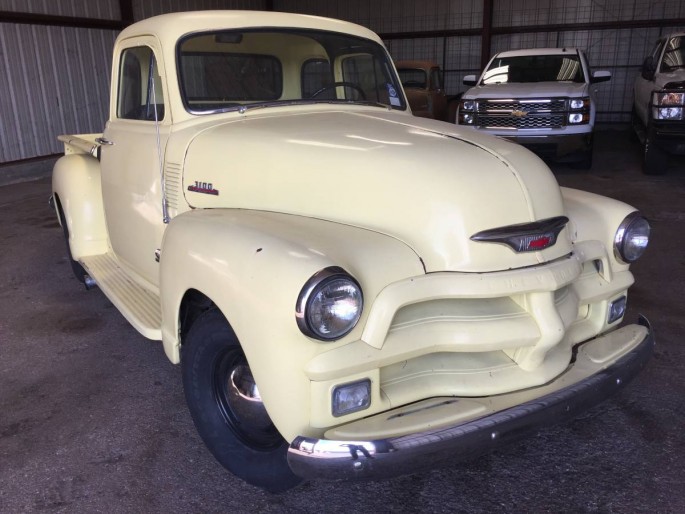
[45, 111]
[13, 97]
[30, 149]
[59, 95]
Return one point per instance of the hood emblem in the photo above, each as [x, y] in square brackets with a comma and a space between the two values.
[206, 188]
[525, 237]
[518, 113]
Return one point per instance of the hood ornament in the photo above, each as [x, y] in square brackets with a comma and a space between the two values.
[518, 113]
[525, 237]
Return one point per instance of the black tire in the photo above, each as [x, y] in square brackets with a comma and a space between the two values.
[656, 160]
[638, 129]
[238, 432]
[79, 271]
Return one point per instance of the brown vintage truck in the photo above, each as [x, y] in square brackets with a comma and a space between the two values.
[423, 84]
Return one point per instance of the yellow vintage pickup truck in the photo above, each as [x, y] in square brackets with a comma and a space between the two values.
[351, 291]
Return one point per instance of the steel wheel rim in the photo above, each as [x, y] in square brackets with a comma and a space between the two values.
[239, 404]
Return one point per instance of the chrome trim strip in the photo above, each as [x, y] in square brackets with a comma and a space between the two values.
[510, 234]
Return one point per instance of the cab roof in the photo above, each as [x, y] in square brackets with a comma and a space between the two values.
[170, 27]
[539, 51]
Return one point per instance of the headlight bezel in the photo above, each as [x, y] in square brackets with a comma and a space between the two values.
[315, 285]
[668, 105]
[584, 104]
[467, 112]
[622, 238]
[471, 104]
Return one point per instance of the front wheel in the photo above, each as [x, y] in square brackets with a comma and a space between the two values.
[656, 160]
[225, 405]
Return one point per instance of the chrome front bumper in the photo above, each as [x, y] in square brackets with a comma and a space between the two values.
[385, 458]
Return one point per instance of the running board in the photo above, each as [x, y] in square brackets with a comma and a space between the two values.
[138, 305]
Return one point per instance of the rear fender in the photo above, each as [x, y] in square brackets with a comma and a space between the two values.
[76, 185]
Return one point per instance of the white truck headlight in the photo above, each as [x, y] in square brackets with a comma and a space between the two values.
[670, 113]
[632, 238]
[579, 103]
[668, 105]
[467, 109]
[352, 397]
[670, 98]
[330, 305]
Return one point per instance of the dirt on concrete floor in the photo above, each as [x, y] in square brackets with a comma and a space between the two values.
[93, 418]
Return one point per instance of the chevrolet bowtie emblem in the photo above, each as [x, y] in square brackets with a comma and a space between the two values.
[518, 114]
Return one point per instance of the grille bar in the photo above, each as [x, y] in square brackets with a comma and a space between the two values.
[522, 113]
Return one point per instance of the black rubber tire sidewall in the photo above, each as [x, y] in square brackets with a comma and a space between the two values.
[656, 160]
[206, 339]
[79, 271]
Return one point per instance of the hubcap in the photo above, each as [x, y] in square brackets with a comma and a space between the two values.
[240, 403]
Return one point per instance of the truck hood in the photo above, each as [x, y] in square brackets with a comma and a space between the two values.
[423, 182]
[528, 90]
[675, 78]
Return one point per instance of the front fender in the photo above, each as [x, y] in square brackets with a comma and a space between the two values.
[252, 265]
[76, 184]
[596, 218]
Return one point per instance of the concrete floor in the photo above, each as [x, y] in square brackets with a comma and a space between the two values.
[93, 419]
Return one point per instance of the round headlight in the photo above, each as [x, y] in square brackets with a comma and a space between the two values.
[631, 238]
[330, 305]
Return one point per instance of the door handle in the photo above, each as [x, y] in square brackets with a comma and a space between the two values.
[103, 141]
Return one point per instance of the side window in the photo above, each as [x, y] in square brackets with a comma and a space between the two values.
[316, 73]
[674, 56]
[140, 95]
[656, 53]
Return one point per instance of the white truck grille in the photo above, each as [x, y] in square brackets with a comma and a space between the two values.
[522, 114]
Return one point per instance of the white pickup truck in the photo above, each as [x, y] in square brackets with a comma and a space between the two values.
[351, 291]
[659, 107]
[542, 98]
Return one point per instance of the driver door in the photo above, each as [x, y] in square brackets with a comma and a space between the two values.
[134, 142]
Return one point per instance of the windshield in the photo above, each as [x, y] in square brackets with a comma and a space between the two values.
[674, 55]
[534, 68]
[413, 77]
[229, 70]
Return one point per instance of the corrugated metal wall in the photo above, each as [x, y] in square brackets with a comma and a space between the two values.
[56, 82]
[146, 8]
[56, 79]
[619, 51]
[100, 9]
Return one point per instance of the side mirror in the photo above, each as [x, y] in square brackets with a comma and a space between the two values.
[648, 68]
[600, 76]
[469, 80]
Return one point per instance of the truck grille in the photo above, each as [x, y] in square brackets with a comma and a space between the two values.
[528, 122]
[522, 114]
